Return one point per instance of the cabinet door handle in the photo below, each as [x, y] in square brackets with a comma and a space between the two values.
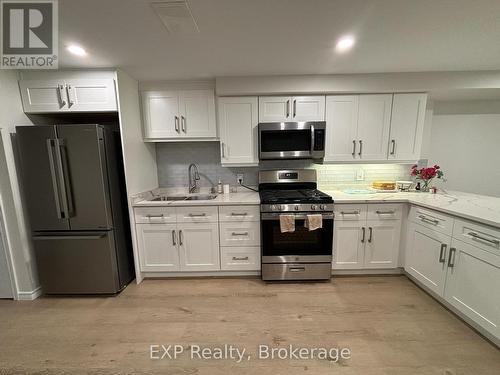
[183, 123]
[370, 229]
[349, 212]
[240, 258]
[476, 237]
[294, 108]
[353, 149]
[60, 89]
[69, 89]
[239, 234]
[239, 214]
[442, 253]
[393, 145]
[180, 238]
[173, 238]
[451, 258]
[360, 147]
[149, 216]
[426, 219]
[364, 233]
[222, 150]
[198, 215]
[176, 123]
[287, 108]
[297, 269]
[392, 212]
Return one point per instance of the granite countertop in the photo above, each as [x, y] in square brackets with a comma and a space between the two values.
[480, 208]
[242, 197]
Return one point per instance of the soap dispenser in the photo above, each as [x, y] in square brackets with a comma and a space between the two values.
[220, 189]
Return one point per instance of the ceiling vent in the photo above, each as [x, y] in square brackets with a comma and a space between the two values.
[176, 16]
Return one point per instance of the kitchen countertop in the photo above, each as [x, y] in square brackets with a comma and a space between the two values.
[480, 208]
[239, 198]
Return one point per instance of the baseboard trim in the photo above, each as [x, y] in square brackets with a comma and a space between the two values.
[216, 274]
[29, 296]
[389, 271]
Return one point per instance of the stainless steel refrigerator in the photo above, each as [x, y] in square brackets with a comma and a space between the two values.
[72, 178]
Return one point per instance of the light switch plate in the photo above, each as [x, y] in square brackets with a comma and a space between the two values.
[360, 174]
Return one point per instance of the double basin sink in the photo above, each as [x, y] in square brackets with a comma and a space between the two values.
[201, 197]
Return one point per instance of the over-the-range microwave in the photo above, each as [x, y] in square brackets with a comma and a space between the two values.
[292, 140]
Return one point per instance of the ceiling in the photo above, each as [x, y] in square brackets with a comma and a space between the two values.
[275, 37]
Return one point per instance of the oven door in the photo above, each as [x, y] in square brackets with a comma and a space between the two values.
[285, 140]
[302, 245]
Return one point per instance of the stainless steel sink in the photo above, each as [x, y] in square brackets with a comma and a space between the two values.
[203, 197]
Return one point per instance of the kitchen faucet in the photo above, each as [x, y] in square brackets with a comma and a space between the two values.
[193, 187]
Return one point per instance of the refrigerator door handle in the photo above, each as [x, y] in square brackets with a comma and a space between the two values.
[64, 182]
[55, 186]
[75, 237]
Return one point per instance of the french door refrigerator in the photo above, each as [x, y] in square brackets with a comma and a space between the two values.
[72, 178]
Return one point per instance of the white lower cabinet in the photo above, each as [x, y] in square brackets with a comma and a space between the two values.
[243, 258]
[198, 238]
[158, 247]
[199, 246]
[426, 256]
[464, 273]
[472, 284]
[360, 243]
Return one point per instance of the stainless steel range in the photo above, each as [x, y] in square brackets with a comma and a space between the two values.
[301, 254]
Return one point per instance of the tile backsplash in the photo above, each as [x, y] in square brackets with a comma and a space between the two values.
[173, 160]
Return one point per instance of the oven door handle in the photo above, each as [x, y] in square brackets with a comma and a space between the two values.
[276, 216]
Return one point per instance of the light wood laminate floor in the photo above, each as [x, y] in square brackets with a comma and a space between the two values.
[389, 324]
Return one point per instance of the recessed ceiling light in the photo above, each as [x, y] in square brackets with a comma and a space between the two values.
[77, 50]
[345, 43]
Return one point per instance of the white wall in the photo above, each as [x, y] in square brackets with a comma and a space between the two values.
[16, 233]
[465, 141]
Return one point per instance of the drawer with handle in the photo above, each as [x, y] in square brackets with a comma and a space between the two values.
[197, 214]
[384, 211]
[432, 219]
[239, 213]
[240, 258]
[240, 234]
[350, 212]
[154, 215]
[482, 236]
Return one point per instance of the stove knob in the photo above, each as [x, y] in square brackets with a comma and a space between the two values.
[322, 206]
[282, 207]
[313, 207]
[273, 208]
[296, 208]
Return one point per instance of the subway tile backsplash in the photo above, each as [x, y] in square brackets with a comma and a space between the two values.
[173, 160]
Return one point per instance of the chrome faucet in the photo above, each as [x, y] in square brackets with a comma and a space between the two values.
[193, 177]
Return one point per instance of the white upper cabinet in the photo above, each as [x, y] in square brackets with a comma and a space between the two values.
[291, 108]
[275, 109]
[342, 123]
[357, 127]
[68, 95]
[178, 115]
[407, 124]
[238, 120]
[197, 113]
[374, 121]
[161, 114]
[308, 108]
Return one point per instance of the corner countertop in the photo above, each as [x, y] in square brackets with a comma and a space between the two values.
[480, 208]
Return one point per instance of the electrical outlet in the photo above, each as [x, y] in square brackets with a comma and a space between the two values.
[239, 178]
[360, 174]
